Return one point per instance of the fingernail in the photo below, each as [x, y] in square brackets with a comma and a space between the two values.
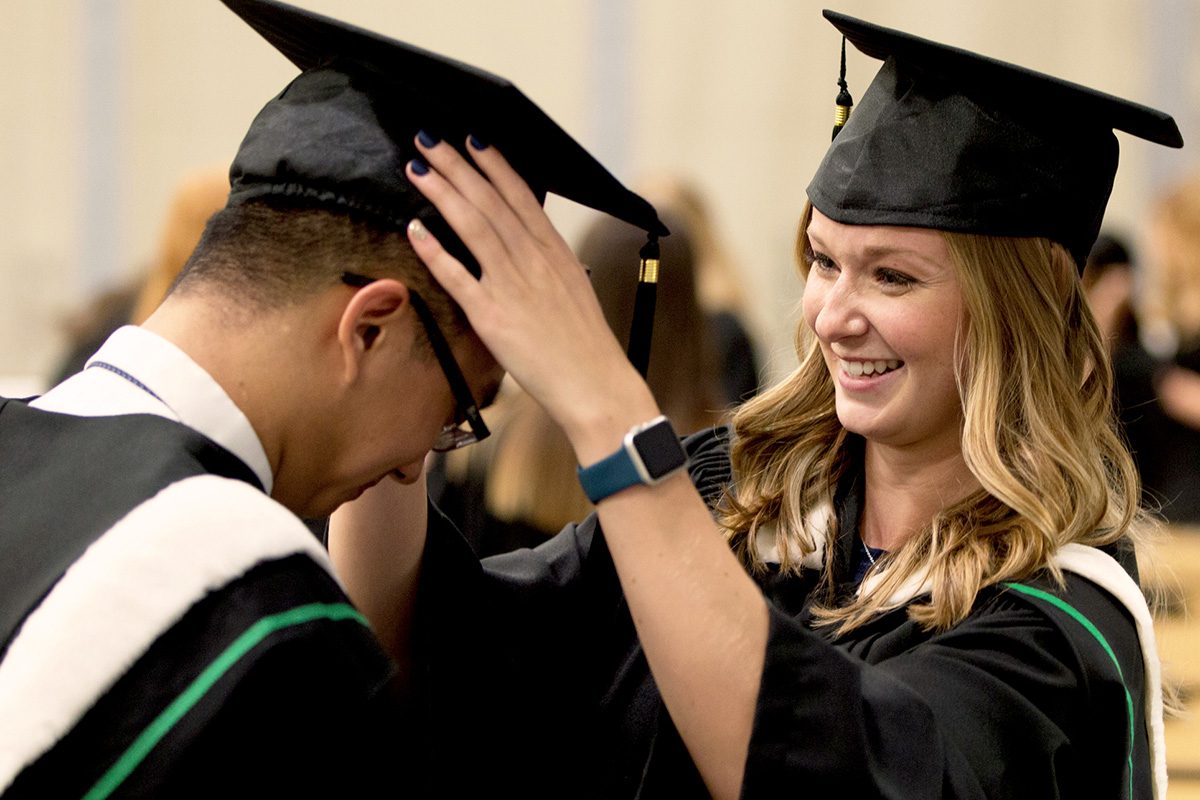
[417, 231]
[418, 166]
[477, 143]
[427, 139]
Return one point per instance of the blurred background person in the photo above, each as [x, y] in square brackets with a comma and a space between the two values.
[1109, 280]
[720, 287]
[519, 487]
[1170, 329]
[198, 195]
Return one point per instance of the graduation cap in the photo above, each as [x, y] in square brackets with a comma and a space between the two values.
[945, 138]
[341, 133]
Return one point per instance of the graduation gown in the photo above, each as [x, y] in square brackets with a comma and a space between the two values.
[532, 661]
[166, 629]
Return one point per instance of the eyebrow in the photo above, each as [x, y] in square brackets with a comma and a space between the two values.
[877, 251]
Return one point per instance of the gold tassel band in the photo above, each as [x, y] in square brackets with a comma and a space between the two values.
[649, 271]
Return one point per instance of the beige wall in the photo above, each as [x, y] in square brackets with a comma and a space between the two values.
[736, 96]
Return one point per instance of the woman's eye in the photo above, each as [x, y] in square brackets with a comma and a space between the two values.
[819, 260]
[891, 277]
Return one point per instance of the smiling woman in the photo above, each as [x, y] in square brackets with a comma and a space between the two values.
[998, 408]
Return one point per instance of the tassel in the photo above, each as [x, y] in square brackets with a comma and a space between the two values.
[844, 102]
[642, 329]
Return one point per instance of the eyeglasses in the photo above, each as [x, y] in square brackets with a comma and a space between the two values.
[471, 427]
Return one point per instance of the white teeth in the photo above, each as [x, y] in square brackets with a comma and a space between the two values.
[859, 368]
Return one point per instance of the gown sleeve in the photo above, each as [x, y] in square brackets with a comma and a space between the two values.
[530, 662]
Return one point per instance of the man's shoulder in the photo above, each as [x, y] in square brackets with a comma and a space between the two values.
[266, 664]
[183, 577]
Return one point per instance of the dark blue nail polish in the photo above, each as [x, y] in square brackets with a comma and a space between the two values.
[477, 143]
[427, 139]
[419, 167]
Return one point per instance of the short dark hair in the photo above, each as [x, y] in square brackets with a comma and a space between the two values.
[270, 253]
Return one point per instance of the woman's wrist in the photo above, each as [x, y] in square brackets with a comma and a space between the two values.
[597, 428]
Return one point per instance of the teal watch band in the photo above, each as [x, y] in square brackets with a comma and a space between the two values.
[608, 476]
[648, 454]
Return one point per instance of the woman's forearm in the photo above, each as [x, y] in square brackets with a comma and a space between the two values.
[701, 620]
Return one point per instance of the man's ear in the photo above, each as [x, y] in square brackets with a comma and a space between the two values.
[370, 318]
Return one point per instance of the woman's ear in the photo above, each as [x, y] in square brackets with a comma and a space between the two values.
[370, 318]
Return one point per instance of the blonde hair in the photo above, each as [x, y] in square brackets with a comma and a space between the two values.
[531, 472]
[1038, 434]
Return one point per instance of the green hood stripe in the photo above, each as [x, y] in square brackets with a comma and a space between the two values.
[175, 711]
[1074, 613]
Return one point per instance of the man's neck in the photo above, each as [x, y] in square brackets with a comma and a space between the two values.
[244, 357]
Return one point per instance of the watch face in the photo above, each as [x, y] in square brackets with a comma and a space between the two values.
[659, 449]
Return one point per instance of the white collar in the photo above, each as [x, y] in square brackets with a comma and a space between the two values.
[179, 389]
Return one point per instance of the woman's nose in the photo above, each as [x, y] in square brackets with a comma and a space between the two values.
[840, 315]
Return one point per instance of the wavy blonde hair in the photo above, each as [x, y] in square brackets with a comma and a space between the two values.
[1038, 433]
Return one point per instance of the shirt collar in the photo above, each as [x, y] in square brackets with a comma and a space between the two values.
[191, 395]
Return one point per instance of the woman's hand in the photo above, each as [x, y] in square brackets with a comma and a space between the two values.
[533, 305]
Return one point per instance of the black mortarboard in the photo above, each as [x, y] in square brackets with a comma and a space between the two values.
[342, 132]
[948, 139]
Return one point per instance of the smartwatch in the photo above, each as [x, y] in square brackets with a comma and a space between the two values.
[648, 454]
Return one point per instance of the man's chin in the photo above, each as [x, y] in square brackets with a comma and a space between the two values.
[319, 507]
[327, 502]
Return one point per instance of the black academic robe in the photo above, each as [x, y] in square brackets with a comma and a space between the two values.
[266, 683]
[532, 662]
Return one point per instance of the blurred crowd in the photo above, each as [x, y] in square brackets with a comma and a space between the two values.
[1147, 305]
